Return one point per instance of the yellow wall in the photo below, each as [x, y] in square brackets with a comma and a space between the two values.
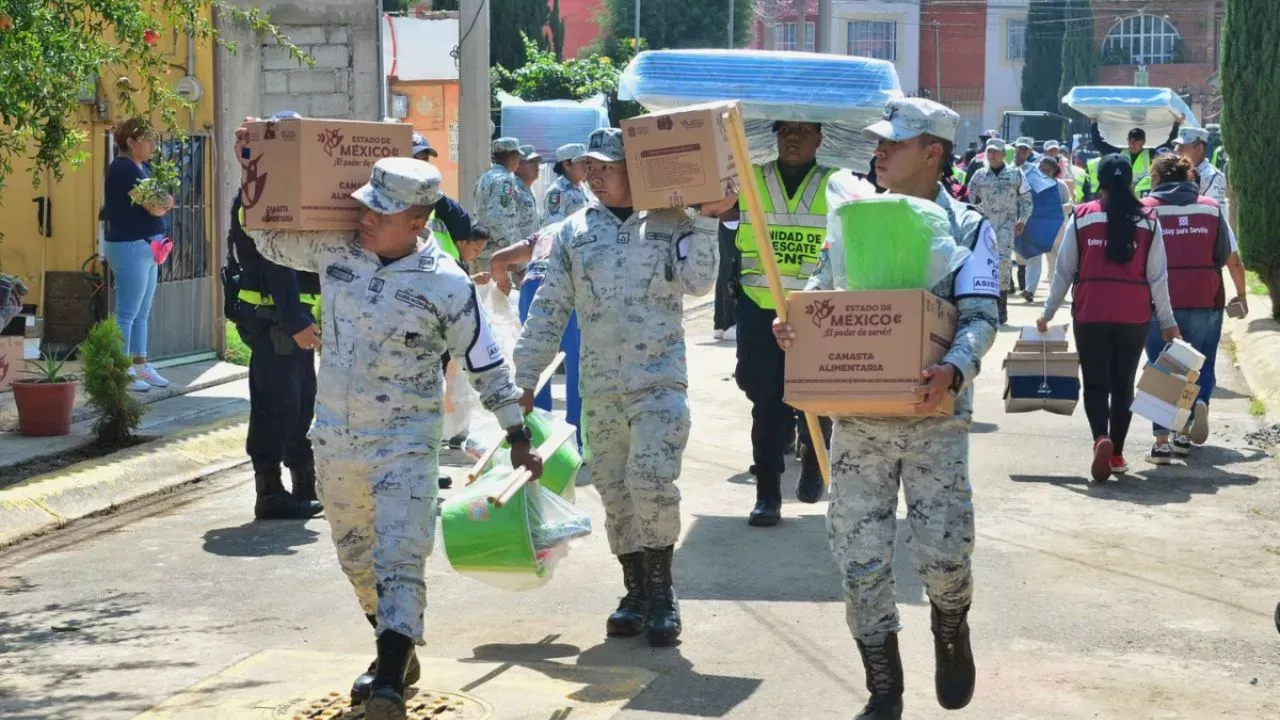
[433, 110]
[78, 196]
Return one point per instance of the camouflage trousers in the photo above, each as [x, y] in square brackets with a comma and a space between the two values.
[1004, 247]
[379, 496]
[930, 458]
[634, 445]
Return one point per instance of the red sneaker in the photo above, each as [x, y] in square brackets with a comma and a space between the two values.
[1118, 465]
[1103, 461]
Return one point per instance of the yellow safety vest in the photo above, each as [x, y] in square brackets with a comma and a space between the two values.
[1141, 173]
[442, 236]
[798, 226]
[1078, 176]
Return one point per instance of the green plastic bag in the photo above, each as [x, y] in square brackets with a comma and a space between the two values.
[889, 241]
[558, 471]
[513, 547]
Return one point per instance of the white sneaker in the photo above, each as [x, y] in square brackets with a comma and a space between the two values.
[138, 385]
[718, 334]
[148, 373]
[731, 333]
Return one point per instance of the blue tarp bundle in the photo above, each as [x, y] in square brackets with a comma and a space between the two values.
[845, 93]
[1046, 219]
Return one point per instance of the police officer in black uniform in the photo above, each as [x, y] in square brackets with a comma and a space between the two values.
[273, 308]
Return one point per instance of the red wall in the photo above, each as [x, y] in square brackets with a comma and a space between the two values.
[962, 36]
[580, 26]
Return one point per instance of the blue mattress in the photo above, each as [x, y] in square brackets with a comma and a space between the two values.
[1119, 109]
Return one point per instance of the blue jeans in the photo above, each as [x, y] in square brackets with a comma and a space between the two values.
[1202, 329]
[135, 271]
[569, 344]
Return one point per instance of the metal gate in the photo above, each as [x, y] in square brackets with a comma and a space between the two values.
[182, 314]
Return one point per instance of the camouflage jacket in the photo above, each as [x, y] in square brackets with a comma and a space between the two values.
[385, 329]
[500, 206]
[627, 281]
[564, 199]
[1004, 197]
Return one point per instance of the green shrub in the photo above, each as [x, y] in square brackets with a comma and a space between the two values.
[106, 381]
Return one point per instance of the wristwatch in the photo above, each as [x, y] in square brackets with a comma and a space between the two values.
[957, 379]
[519, 435]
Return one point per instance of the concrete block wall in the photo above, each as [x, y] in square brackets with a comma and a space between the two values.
[323, 89]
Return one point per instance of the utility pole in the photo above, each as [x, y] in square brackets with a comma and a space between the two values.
[637, 33]
[730, 46]
[937, 60]
[770, 24]
[474, 137]
[823, 29]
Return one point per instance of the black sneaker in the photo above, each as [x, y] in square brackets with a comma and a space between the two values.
[1161, 454]
[1181, 445]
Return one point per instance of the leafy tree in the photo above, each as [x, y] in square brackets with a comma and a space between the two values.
[50, 50]
[1042, 71]
[1079, 51]
[678, 23]
[1251, 91]
[543, 77]
[509, 22]
[555, 23]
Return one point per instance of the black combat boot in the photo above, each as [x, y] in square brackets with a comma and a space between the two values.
[387, 700]
[663, 626]
[1002, 303]
[629, 619]
[362, 688]
[954, 672]
[810, 488]
[883, 667]
[304, 483]
[274, 503]
[768, 509]
[1022, 277]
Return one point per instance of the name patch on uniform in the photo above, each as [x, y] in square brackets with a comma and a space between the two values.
[658, 237]
[584, 240]
[375, 285]
[411, 298]
[338, 272]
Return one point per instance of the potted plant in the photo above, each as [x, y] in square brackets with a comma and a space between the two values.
[45, 400]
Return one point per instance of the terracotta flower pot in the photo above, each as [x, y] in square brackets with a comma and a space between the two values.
[44, 409]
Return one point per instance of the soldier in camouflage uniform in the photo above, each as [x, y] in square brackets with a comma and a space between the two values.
[928, 456]
[529, 170]
[626, 274]
[394, 304]
[570, 193]
[499, 204]
[1004, 196]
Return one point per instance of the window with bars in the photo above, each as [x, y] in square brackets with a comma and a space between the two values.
[1015, 40]
[786, 36]
[1142, 40]
[873, 39]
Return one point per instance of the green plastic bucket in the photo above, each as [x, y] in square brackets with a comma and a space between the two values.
[487, 543]
[888, 243]
[558, 471]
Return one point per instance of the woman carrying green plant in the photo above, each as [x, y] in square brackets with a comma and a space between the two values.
[136, 203]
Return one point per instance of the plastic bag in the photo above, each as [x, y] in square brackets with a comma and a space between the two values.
[560, 471]
[548, 124]
[461, 402]
[888, 242]
[504, 320]
[514, 547]
[12, 291]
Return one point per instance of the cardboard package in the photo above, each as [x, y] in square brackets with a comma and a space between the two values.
[680, 157]
[861, 352]
[1165, 397]
[1043, 380]
[12, 363]
[300, 173]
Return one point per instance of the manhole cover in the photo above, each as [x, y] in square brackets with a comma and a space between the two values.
[423, 705]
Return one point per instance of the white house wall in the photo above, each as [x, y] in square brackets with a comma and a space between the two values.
[905, 14]
[1003, 79]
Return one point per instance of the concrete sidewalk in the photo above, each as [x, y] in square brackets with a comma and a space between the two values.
[1257, 343]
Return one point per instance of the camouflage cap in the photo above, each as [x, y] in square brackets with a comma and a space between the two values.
[995, 144]
[529, 154]
[1051, 145]
[1025, 142]
[399, 183]
[912, 117]
[506, 144]
[604, 145]
[567, 153]
[1188, 135]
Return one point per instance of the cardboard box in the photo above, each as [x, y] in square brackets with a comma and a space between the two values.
[861, 352]
[1160, 412]
[1055, 394]
[12, 364]
[680, 157]
[1165, 397]
[1053, 364]
[301, 172]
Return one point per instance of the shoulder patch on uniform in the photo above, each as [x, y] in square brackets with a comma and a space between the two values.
[411, 298]
[338, 272]
[553, 197]
[426, 263]
[375, 285]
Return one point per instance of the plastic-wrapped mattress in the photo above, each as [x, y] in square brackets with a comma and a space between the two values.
[548, 124]
[1120, 109]
[844, 93]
